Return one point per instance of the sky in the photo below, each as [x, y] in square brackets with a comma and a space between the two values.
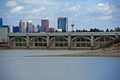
[84, 14]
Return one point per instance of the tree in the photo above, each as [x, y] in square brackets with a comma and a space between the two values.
[91, 30]
[117, 29]
[111, 30]
[73, 31]
[77, 30]
[107, 30]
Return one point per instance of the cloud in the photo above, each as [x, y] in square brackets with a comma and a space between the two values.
[14, 6]
[74, 8]
[17, 9]
[99, 18]
[101, 8]
[105, 18]
[105, 7]
[40, 2]
[70, 9]
[11, 3]
[88, 19]
[36, 11]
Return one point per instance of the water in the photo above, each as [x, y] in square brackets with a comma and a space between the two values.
[13, 66]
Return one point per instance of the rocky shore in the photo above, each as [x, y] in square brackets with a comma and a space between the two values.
[112, 51]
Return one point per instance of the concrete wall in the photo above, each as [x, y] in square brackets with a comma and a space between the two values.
[3, 34]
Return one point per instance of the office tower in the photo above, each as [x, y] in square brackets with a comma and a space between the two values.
[39, 28]
[22, 26]
[63, 24]
[35, 29]
[29, 28]
[45, 25]
[15, 29]
[11, 28]
[1, 22]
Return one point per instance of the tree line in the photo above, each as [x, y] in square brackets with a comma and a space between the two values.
[117, 29]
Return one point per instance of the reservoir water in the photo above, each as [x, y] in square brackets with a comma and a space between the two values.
[14, 66]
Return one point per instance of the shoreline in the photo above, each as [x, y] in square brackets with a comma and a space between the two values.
[92, 53]
[89, 53]
[72, 56]
[44, 48]
[102, 52]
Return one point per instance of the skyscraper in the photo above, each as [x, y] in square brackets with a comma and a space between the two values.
[22, 26]
[1, 22]
[45, 25]
[39, 28]
[11, 28]
[15, 29]
[29, 28]
[63, 24]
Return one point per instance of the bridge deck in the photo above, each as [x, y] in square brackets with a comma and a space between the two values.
[66, 34]
[69, 40]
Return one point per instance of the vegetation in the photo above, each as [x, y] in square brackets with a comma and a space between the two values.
[117, 29]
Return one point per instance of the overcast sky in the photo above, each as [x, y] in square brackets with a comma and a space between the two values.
[85, 14]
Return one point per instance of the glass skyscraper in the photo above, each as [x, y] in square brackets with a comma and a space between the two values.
[63, 24]
[1, 22]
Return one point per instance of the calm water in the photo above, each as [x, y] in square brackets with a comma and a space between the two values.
[13, 66]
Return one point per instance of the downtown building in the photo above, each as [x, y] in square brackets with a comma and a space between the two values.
[15, 29]
[51, 29]
[39, 28]
[22, 26]
[62, 23]
[45, 25]
[29, 27]
[1, 22]
[3, 26]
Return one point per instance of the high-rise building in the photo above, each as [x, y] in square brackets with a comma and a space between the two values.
[15, 29]
[30, 27]
[11, 28]
[39, 28]
[22, 26]
[45, 25]
[1, 22]
[35, 28]
[63, 24]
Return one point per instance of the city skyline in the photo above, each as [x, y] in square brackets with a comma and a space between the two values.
[84, 14]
